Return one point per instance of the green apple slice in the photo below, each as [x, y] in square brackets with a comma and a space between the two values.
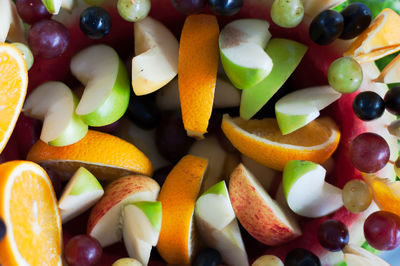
[156, 60]
[106, 95]
[297, 109]
[52, 6]
[306, 191]
[82, 192]
[54, 103]
[145, 219]
[242, 43]
[286, 56]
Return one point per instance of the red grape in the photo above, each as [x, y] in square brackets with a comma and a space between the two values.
[32, 11]
[382, 230]
[48, 39]
[333, 235]
[83, 250]
[188, 7]
[369, 152]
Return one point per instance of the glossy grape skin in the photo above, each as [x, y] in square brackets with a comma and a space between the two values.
[208, 257]
[287, 13]
[333, 235]
[95, 22]
[83, 250]
[392, 100]
[189, 7]
[382, 230]
[225, 7]
[326, 27]
[301, 257]
[54, 178]
[143, 111]
[161, 174]
[357, 17]
[26, 52]
[345, 75]
[2, 229]
[48, 39]
[356, 196]
[368, 106]
[369, 152]
[133, 10]
[32, 11]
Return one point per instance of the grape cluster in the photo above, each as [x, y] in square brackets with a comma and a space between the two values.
[219, 7]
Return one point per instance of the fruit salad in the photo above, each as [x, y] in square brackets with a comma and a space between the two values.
[194, 132]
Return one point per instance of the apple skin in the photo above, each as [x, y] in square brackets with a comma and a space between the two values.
[257, 217]
[125, 189]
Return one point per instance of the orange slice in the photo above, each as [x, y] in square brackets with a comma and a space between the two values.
[28, 206]
[381, 38]
[13, 86]
[106, 156]
[197, 71]
[262, 141]
[177, 242]
[391, 73]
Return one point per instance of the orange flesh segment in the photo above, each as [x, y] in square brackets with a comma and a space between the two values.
[178, 196]
[391, 73]
[197, 71]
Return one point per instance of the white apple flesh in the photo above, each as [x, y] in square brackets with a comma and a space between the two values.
[358, 256]
[306, 191]
[136, 248]
[156, 60]
[82, 191]
[242, 43]
[266, 176]
[300, 107]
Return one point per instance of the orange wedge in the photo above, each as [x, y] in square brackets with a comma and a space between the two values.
[197, 72]
[106, 156]
[381, 38]
[28, 206]
[386, 192]
[391, 73]
[177, 242]
[13, 86]
[262, 141]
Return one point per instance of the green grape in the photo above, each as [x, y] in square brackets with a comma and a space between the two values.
[26, 52]
[287, 13]
[345, 75]
[356, 196]
[133, 10]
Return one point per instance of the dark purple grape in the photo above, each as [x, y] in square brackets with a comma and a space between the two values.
[357, 17]
[83, 250]
[208, 257]
[31, 11]
[301, 257]
[48, 39]
[369, 152]
[392, 100]
[188, 7]
[333, 235]
[54, 178]
[3, 229]
[382, 230]
[171, 138]
[95, 22]
[225, 7]
[368, 105]
[326, 27]
[143, 112]
[110, 129]
[161, 174]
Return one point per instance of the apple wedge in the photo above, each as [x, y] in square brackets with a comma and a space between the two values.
[259, 214]
[104, 220]
[156, 60]
[5, 19]
[82, 191]
[54, 103]
[306, 191]
[242, 43]
[217, 225]
[266, 176]
[358, 256]
[297, 109]
[106, 95]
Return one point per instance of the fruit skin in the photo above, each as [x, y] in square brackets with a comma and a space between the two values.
[95, 22]
[269, 260]
[356, 18]
[77, 253]
[3, 229]
[225, 7]
[382, 230]
[345, 75]
[326, 27]
[133, 10]
[392, 100]
[189, 7]
[208, 257]
[287, 14]
[333, 235]
[368, 105]
[301, 256]
[32, 11]
[126, 262]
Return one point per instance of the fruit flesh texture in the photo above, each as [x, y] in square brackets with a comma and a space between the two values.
[312, 71]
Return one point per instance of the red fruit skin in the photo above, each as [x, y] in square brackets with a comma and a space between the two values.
[76, 252]
[27, 132]
[382, 230]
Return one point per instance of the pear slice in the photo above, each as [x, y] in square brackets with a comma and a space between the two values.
[82, 192]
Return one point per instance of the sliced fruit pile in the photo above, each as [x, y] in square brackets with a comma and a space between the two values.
[293, 136]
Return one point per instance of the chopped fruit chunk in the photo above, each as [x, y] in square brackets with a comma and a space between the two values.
[104, 155]
[30, 212]
[257, 139]
[26, 52]
[259, 214]
[53, 6]
[13, 85]
[178, 240]
[198, 65]
[391, 73]
[83, 250]
[381, 38]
